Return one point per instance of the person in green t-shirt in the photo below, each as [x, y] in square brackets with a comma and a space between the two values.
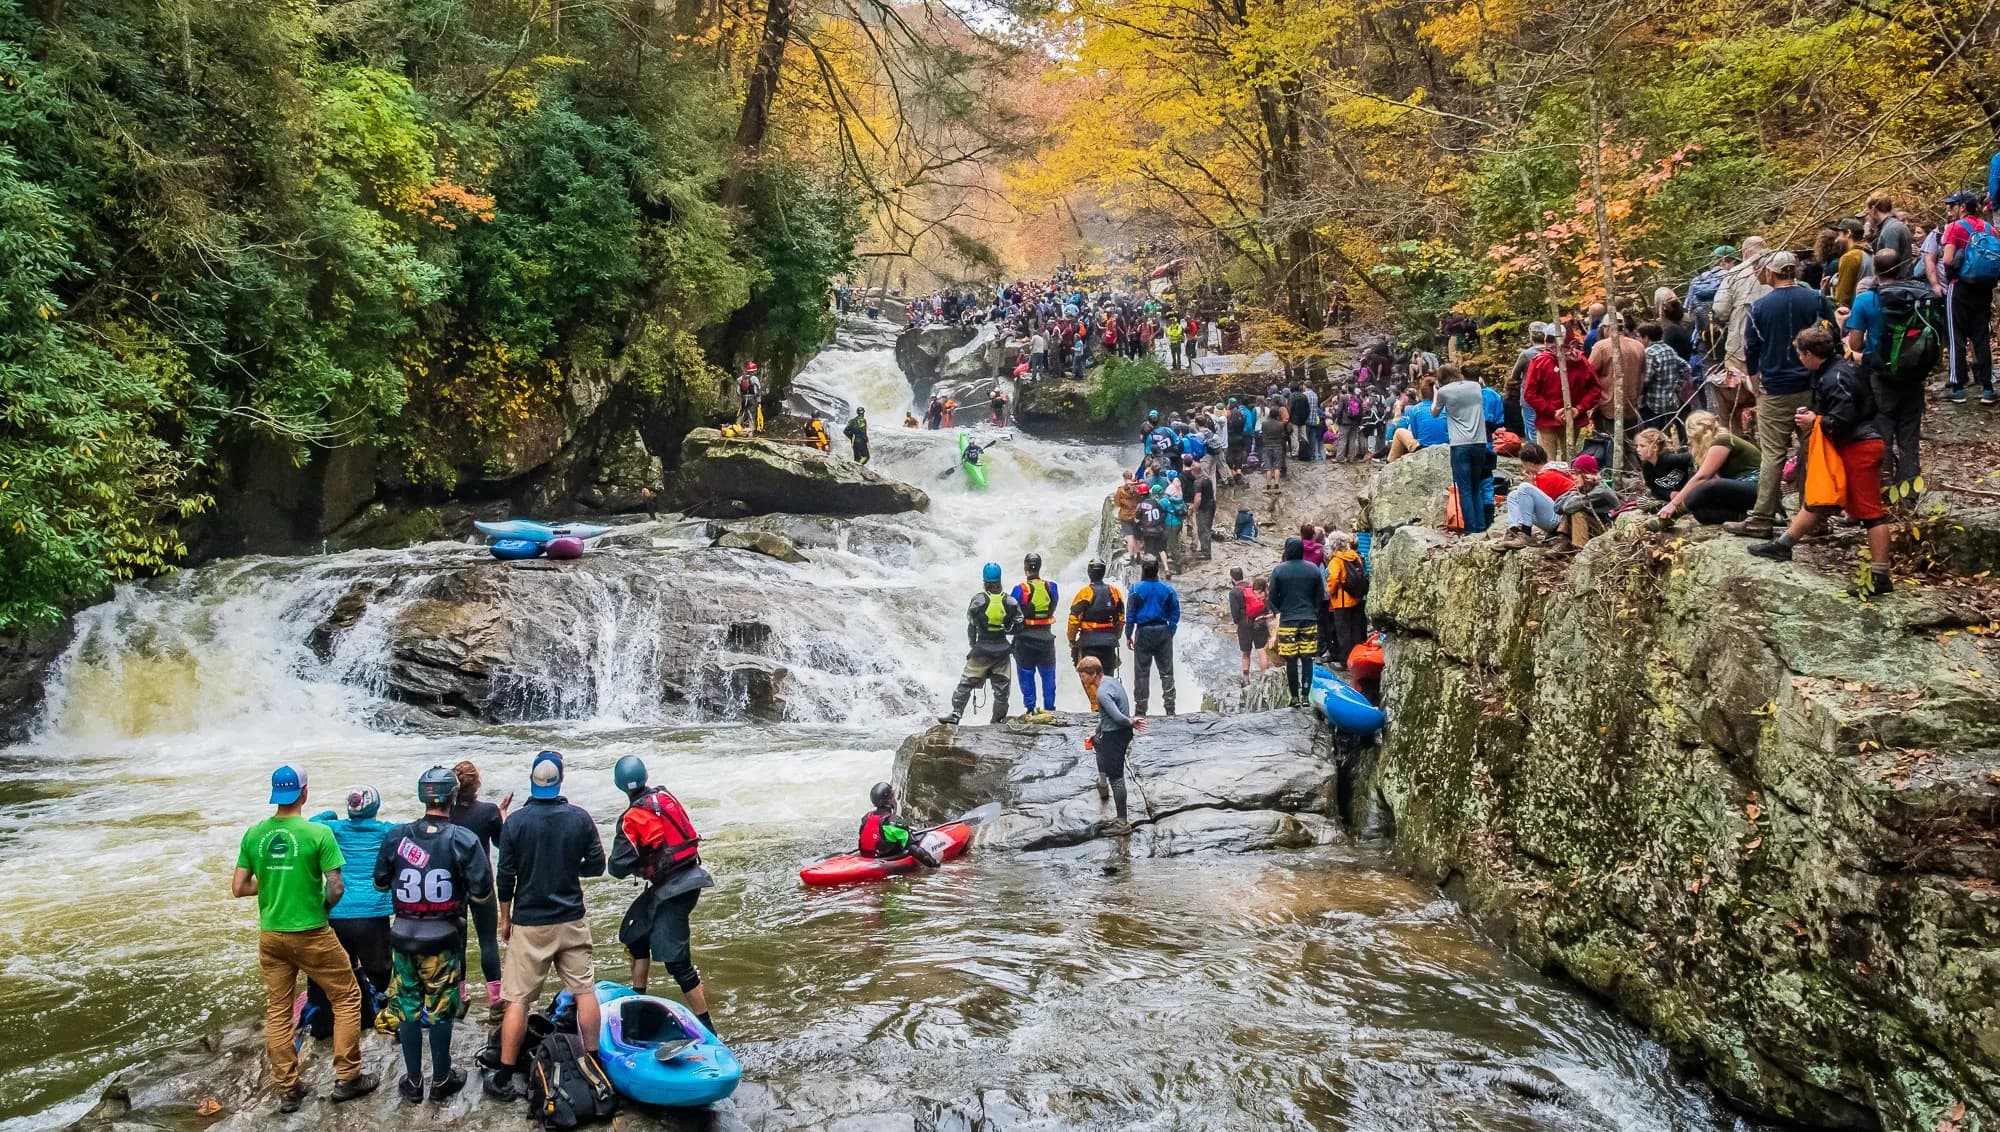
[292, 866]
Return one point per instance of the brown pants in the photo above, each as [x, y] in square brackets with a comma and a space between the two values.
[283, 956]
[1581, 527]
[1552, 440]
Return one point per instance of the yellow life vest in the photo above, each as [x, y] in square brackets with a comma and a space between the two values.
[1040, 608]
[996, 612]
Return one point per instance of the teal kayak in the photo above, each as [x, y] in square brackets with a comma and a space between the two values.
[528, 530]
[657, 1052]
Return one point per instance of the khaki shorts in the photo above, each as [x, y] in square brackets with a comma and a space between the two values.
[533, 949]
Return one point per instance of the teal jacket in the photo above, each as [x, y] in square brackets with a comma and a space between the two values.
[360, 841]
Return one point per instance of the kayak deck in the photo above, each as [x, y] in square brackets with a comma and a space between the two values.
[949, 842]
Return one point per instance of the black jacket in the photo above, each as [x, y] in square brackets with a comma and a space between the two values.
[546, 849]
[1298, 588]
[1845, 403]
[986, 641]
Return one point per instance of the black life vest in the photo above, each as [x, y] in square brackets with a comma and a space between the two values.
[427, 884]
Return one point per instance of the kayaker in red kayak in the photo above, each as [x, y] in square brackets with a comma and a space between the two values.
[883, 834]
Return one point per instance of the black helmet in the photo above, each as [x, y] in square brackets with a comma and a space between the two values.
[881, 794]
[630, 774]
[1096, 570]
[437, 786]
[1032, 563]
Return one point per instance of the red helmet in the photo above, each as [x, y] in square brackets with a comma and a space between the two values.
[749, 367]
[1143, 488]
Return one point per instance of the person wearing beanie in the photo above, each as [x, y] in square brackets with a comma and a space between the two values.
[484, 819]
[361, 919]
[1584, 511]
[546, 849]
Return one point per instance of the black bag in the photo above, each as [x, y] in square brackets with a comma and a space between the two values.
[567, 1087]
[1911, 343]
[1354, 581]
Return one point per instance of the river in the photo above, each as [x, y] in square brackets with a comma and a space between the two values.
[1318, 989]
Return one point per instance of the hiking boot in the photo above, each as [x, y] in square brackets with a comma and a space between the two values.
[1117, 827]
[502, 1090]
[1877, 585]
[1773, 550]
[1046, 715]
[449, 1086]
[359, 1085]
[1752, 527]
[412, 1092]
[292, 1098]
[1515, 539]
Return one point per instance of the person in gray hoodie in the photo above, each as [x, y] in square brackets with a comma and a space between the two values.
[1115, 727]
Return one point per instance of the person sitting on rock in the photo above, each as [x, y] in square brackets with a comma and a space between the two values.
[884, 834]
[1531, 504]
[1585, 509]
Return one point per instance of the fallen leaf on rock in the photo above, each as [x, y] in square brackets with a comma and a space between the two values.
[207, 1106]
[1695, 884]
[1753, 811]
[1753, 843]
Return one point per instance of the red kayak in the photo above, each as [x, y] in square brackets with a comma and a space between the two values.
[945, 843]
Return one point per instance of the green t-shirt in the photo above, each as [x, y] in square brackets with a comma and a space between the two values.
[290, 858]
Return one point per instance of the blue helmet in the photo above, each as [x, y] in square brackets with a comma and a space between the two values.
[630, 774]
[1152, 414]
[991, 573]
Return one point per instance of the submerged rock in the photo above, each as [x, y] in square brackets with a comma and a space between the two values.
[1196, 782]
[760, 542]
[731, 478]
[1760, 816]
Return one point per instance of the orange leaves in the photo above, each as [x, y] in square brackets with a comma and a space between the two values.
[447, 200]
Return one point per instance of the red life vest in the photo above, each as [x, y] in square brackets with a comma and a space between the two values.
[658, 827]
[871, 834]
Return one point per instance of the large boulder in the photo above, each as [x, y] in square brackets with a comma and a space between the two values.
[1760, 816]
[1413, 490]
[1241, 782]
[730, 478]
[921, 350]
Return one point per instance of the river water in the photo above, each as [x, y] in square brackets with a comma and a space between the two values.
[1318, 989]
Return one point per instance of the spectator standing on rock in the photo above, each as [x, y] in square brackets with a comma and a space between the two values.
[361, 919]
[1097, 620]
[1113, 739]
[857, 434]
[546, 849]
[292, 866]
[1558, 417]
[485, 820]
[1779, 379]
[990, 621]
[1247, 612]
[1125, 501]
[1842, 407]
[1346, 597]
[656, 842]
[1462, 402]
[1971, 270]
[1152, 619]
[1035, 644]
[1298, 593]
[1202, 506]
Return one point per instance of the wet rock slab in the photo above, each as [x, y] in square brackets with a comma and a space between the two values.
[1200, 782]
[732, 478]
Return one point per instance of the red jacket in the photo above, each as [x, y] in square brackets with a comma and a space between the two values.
[1542, 388]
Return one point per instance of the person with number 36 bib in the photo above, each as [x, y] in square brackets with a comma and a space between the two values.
[431, 870]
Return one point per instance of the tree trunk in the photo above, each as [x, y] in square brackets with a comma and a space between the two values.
[1555, 309]
[757, 96]
[1605, 255]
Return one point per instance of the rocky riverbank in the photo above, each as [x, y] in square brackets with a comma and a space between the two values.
[1761, 817]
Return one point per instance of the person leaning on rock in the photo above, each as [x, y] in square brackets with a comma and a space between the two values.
[990, 621]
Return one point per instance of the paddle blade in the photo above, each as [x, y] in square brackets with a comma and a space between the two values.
[986, 813]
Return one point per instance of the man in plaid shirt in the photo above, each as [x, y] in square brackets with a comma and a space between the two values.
[1667, 375]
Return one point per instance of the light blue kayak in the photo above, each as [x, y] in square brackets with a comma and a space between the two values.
[657, 1052]
[528, 530]
[1342, 706]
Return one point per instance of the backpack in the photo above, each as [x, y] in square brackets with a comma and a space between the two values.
[1236, 421]
[1354, 581]
[1253, 604]
[1354, 408]
[567, 1087]
[660, 830]
[1911, 344]
[1981, 261]
[743, 384]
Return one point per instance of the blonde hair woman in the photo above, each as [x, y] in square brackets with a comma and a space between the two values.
[1724, 484]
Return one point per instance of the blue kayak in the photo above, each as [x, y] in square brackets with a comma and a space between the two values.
[531, 531]
[513, 549]
[1342, 706]
[657, 1052]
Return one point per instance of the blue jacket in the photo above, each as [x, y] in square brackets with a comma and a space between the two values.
[1152, 603]
[1993, 180]
[360, 841]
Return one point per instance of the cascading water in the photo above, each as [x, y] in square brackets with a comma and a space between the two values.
[1315, 989]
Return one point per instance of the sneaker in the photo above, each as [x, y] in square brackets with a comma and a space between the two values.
[450, 1086]
[1955, 395]
[1751, 528]
[1989, 397]
[359, 1085]
[502, 1090]
[292, 1099]
[1774, 550]
[949, 720]
[412, 1091]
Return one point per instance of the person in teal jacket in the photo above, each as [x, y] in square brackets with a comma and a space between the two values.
[361, 919]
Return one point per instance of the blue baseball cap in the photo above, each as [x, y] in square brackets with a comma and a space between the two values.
[288, 785]
[545, 776]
